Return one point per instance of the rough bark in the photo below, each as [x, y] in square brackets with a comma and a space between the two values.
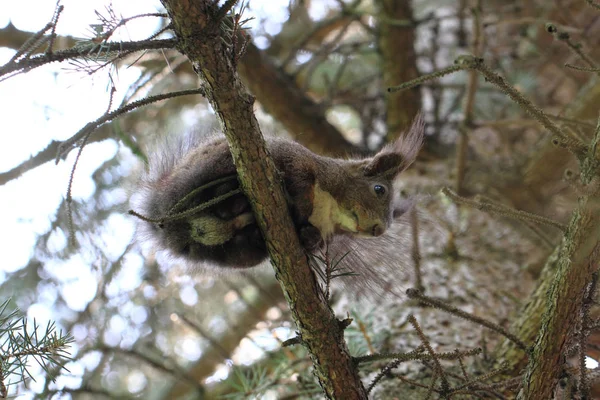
[399, 64]
[577, 260]
[526, 324]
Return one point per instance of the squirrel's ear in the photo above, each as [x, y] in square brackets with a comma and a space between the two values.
[396, 157]
[384, 164]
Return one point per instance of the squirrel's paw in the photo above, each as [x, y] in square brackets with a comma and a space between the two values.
[310, 237]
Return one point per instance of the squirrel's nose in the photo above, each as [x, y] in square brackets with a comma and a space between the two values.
[378, 230]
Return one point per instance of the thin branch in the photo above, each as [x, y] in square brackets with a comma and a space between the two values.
[144, 356]
[386, 370]
[415, 294]
[59, 9]
[585, 69]
[83, 51]
[415, 252]
[438, 367]
[67, 144]
[365, 333]
[69, 198]
[481, 378]
[419, 384]
[462, 365]
[416, 355]
[498, 209]
[36, 40]
[424, 78]
[191, 211]
[574, 47]
[471, 62]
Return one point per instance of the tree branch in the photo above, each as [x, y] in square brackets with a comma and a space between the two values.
[57, 150]
[577, 260]
[86, 51]
[202, 40]
[303, 117]
[275, 90]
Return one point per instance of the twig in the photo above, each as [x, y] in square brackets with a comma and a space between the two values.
[173, 369]
[438, 367]
[323, 51]
[415, 294]
[69, 199]
[494, 208]
[31, 44]
[418, 384]
[481, 378]
[187, 213]
[416, 254]
[431, 387]
[462, 365]
[424, 78]
[318, 28]
[28, 64]
[386, 370]
[472, 62]
[586, 69]
[414, 355]
[328, 270]
[574, 47]
[224, 10]
[181, 203]
[590, 166]
[66, 145]
[52, 36]
[85, 134]
[363, 330]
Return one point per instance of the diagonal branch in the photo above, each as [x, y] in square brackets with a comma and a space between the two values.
[201, 40]
[57, 150]
[303, 117]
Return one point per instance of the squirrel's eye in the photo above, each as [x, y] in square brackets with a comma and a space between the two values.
[379, 190]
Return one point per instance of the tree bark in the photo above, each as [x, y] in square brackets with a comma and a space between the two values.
[399, 64]
[577, 260]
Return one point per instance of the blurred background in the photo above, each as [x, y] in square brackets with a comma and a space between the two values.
[146, 327]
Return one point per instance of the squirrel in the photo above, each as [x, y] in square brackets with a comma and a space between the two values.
[191, 205]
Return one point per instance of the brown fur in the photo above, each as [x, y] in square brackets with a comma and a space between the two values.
[327, 197]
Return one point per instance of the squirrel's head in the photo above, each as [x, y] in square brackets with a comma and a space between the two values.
[369, 202]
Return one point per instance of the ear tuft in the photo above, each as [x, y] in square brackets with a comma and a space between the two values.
[396, 157]
[409, 143]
